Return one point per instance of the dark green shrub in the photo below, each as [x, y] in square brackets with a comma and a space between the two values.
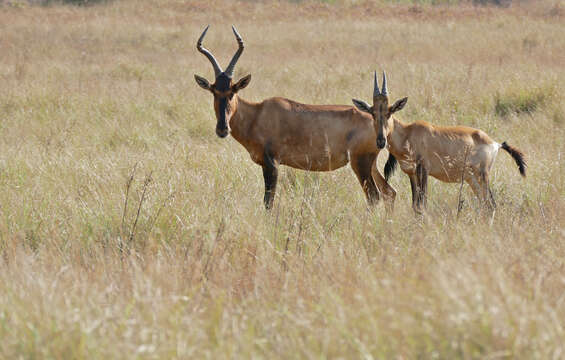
[502, 3]
[523, 101]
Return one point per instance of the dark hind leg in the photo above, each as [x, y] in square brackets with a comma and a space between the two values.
[362, 166]
[422, 186]
[475, 185]
[270, 175]
[415, 192]
[491, 197]
[487, 193]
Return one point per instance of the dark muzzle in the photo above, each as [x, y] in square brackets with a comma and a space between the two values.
[381, 142]
[222, 132]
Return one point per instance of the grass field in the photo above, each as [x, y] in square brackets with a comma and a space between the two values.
[128, 229]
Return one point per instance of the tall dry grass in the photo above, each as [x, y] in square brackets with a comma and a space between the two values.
[98, 108]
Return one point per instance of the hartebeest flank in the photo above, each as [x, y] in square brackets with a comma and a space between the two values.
[450, 154]
[281, 131]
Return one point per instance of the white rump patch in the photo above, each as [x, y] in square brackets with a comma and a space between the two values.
[494, 147]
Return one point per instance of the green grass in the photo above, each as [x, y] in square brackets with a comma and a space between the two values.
[524, 101]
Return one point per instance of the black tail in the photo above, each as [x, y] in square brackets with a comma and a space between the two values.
[517, 155]
[390, 166]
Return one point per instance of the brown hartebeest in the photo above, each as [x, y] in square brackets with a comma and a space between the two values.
[281, 131]
[450, 154]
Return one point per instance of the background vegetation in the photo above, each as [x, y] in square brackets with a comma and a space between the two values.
[128, 229]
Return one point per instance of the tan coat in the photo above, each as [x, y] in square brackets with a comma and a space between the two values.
[450, 154]
[310, 137]
[281, 131]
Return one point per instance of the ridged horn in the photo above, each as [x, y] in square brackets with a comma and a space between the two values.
[376, 87]
[208, 54]
[384, 90]
[231, 66]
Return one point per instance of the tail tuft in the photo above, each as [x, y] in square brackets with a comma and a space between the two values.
[390, 166]
[518, 157]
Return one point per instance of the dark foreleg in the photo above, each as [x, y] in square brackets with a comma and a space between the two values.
[362, 166]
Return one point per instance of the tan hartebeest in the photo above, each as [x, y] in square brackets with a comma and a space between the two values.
[281, 131]
[450, 154]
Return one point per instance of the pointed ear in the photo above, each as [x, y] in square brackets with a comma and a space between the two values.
[242, 83]
[398, 105]
[203, 83]
[361, 105]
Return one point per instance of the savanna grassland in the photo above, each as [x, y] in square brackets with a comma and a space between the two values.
[128, 229]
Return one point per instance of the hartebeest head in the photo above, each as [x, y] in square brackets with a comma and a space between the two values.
[223, 89]
[381, 111]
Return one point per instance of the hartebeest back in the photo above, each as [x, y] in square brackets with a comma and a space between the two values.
[449, 154]
[281, 131]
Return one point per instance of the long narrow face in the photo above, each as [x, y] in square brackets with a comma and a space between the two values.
[225, 99]
[223, 89]
[223, 104]
[381, 116]
[381, 111]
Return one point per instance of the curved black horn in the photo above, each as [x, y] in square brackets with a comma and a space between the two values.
[384, 91]
[231, 66]
[208, 54]
[376, 88]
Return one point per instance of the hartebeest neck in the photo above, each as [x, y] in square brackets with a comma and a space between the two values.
[396, 137]
[245, 114]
